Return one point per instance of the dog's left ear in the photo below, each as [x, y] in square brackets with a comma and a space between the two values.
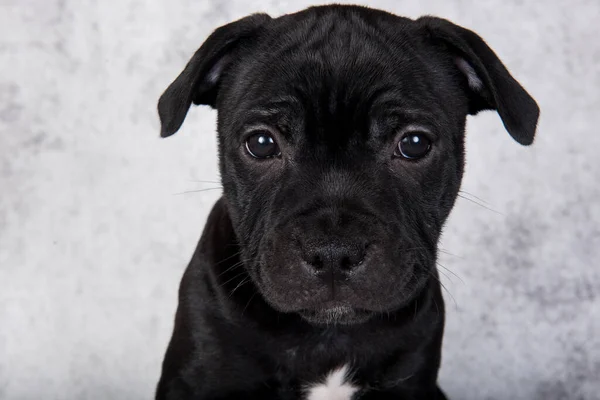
[199, 81]
[490, 84]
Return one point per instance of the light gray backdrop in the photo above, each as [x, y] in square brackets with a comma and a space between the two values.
[94, 236]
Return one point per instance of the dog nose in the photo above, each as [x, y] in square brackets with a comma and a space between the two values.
[334, 258]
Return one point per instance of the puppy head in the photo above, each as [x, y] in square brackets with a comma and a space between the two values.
[341, 139]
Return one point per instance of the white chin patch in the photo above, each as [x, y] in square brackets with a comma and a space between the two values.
[336, 386]
[473, 79]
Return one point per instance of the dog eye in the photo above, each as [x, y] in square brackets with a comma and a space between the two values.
[413, 145]
[262, 145]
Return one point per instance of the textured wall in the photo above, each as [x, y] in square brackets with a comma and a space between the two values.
[94, 235]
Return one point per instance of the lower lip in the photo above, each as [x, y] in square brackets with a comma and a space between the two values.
[336, 314]
[333, 306]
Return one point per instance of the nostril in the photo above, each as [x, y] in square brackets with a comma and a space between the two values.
[346, 264]
[342, 257]
[353, 258]
[349, 262]
[316, 262]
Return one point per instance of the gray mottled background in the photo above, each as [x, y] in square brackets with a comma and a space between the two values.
[94, 238]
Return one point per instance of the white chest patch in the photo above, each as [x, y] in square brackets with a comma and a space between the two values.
[337, 386]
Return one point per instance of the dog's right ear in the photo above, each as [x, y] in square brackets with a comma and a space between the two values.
[199, 82]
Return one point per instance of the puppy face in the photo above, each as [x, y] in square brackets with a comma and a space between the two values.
[341, 135]
[340, 168]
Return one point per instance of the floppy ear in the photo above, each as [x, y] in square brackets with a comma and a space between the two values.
[199, 81]
[490, 84]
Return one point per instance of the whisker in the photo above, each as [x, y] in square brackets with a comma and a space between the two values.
[415, 248]
[237, 253]
[481, 205]
[416, 306]
[439, 249]
[450, 254]
[247, 304]
[196, 191]
[472, 195]
[239, 285]
[445, 288]
[232, 267]
[446, 275]
[194, 180]
[447, 269]
[450, 294]
[437, 308]
[232, 279]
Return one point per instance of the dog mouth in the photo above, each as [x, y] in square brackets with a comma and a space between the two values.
[336, 313]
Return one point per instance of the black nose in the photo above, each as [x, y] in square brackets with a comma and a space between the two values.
[337, 258]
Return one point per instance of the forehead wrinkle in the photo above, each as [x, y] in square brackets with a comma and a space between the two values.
[348, 76]
[331, 91]
[276, 111]
[334, 43]
[275, 106]
[408, 116]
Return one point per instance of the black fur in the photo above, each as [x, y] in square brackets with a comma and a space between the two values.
[336, 86]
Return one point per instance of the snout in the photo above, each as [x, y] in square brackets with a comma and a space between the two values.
[334, 263]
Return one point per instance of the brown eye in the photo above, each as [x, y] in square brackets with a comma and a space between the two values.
[413, 145]
[262, 145]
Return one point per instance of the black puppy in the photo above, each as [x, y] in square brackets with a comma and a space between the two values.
[341, 140]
